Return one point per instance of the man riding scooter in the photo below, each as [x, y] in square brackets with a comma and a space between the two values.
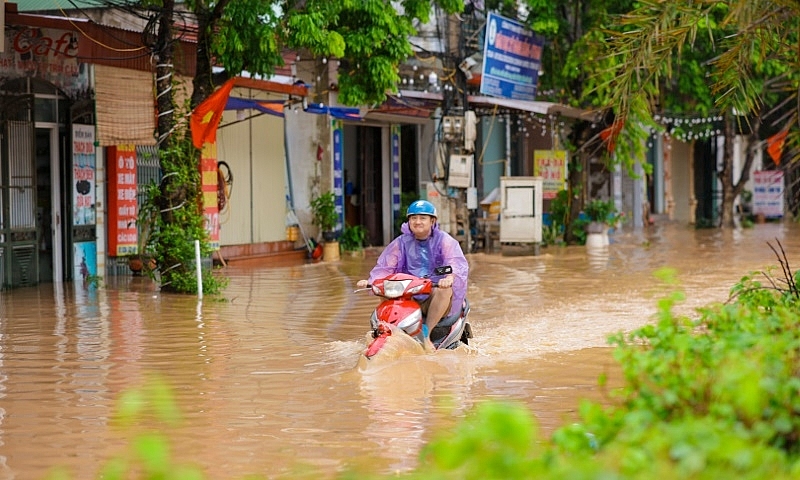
[419, 250]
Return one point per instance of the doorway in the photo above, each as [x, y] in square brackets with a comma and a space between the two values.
[370, 156]
[35, 174]
[364, 182]
[49, 220]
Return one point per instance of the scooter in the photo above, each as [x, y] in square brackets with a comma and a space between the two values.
[399, 313]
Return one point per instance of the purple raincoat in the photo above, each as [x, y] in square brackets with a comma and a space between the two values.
[406, 254]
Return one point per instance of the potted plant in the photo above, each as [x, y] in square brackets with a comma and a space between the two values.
[324, 215]
[323, 209]
[143, 261]
[602, 214]
[352, 238]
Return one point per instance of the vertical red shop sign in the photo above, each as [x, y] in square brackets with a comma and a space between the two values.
[122, 203]
[208, 174]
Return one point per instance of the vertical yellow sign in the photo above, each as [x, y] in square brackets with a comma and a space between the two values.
[551, 165]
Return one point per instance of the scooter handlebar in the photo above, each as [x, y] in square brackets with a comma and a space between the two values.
[369, 287]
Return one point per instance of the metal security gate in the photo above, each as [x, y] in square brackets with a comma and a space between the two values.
[19, 259]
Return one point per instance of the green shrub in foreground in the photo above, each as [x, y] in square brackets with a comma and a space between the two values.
[716, 397]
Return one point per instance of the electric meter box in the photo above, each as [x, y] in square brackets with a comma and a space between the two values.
[460, 171]
[521, 210]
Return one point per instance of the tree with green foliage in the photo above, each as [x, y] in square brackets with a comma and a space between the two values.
[569, 61]
[370, 38]
[737, 60]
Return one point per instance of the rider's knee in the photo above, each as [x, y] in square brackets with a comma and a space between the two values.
[443, 292]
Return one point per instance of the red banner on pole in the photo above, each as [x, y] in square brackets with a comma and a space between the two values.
[209, 183]
[775, 146]
[206, 116]
[122, 203]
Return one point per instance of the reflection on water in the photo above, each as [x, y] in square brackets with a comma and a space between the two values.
[271, 380]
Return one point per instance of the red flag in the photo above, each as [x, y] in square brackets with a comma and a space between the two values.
[775, 146]
[611, 133]
[206, 116]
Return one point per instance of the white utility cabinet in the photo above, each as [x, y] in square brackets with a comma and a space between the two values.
[521, 211]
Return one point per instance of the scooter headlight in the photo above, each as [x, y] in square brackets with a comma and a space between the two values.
[394, 288]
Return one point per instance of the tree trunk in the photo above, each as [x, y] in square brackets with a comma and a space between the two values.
[753, 146]
[169, 197]
[575, 186]
[726, 175]
[164, 72]
[203, 82]
[731, 190]
[576, 181]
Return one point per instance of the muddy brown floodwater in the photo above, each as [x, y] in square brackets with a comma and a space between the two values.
[271, 382]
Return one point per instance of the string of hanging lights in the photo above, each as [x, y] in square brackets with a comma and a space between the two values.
[686, 129]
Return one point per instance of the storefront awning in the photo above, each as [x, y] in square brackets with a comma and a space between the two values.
[419, 106]
[275, 107]
[342, 113]
[414, 98]
[541, 108]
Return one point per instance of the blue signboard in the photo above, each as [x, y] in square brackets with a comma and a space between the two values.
[512, 55]
[395, 172]
[338, 172]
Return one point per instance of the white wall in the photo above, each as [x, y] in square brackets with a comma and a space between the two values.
[305, 132]
[681, 169]
[254, 150]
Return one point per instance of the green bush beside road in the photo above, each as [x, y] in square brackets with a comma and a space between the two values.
[706, 398]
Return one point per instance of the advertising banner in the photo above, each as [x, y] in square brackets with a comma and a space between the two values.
[45, 53]
[83, 174]
[209, 178]
[85, 255]
[511, 59]
[396, 197]
[338, 171]
[768, 193]
[551, 165]
[122, 201]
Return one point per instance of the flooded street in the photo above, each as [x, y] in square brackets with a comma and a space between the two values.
[270, 378]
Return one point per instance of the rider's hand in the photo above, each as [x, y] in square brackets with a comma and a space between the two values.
[446, 282]
[362, 284]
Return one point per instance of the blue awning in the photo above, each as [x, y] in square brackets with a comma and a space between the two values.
[270, 107]
[275, 107]
[343, 113]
